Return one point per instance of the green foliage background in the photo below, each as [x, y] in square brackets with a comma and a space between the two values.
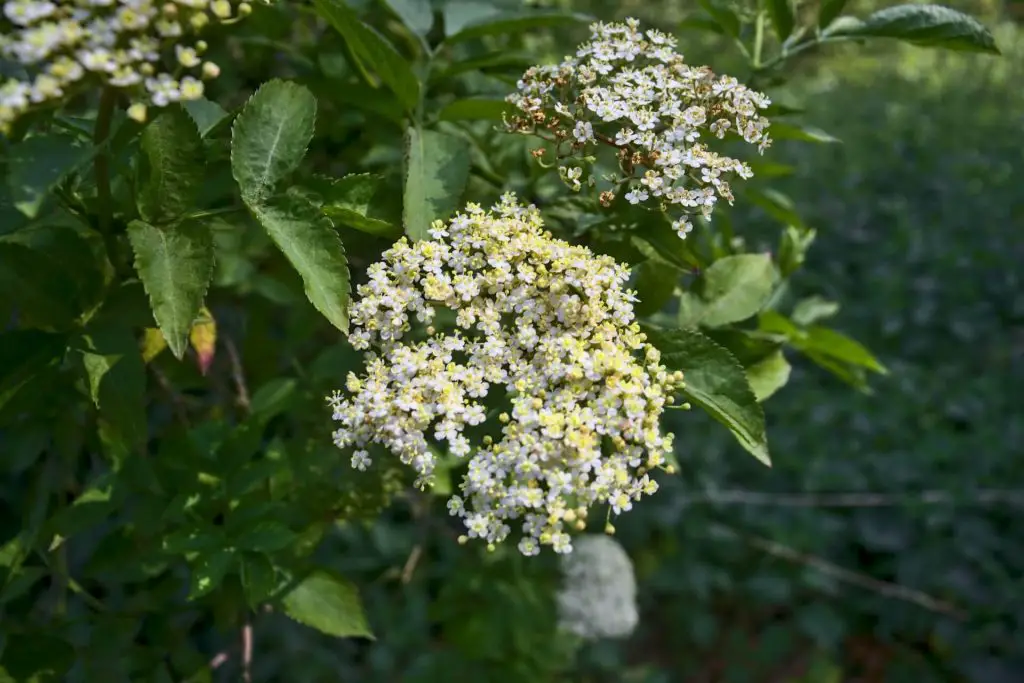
[744, 575]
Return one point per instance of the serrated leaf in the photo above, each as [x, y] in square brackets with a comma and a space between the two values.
[716, 382]
[509, 23]
[417, 15]
[172, 166]
[736, 288]
[117, 384]
[475, 109]
[36, 165]
[769, 375]
[373, 49]
[837, 345]
[208, 572]
[270, 136]
[175, 265]
[314, 249]
[328, 603]
[23, 355]
[781, 13]
[437, 169]
[926, 26]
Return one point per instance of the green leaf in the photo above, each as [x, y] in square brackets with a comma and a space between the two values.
[37, 164]
[208, 572]
[36, 657]
[655, 284]
[360, 201]
[417, 15]
[266, 536]
[259, 578]
[777, 205]
[812, 309]
[735, 288]
[829, 10]
[437, 169]
[726, 18]
[328, 603]
[769, 375]
[781, 13]
[837, 345]
[312, 246]
[457, 29]
[500, 61]
[702, 23]
[272, 398]
[43, 293]
[716, 382]
[475, 109]
[172, 167]
[373, 49]
[925, 26]
[117, 383]
[269, 137]
[207, 115]
[659, 242]
[175, 265]
[23, 356]
[784, 130]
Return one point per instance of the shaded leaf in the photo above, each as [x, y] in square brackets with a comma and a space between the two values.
[36, 165]
[781, 13]
[207, 115]
[273, 397]
[785, 130]
[208, 572]
[437, 169]
[328, 603]
[266, 536]
[42, 292]
[359, 201]
[829, 10]
[117, 384]
[716, 382]
[372, 49]
[269, 137]
[171, 166]
[726, 18]
[777, 205]
[505, 22]
[769, 375]
[654, 285]
[175, 265]
[23, 355]
[475, 109]
[312, 246]
[259, 578]
[735, 288]
[416, 14]
[924, 25]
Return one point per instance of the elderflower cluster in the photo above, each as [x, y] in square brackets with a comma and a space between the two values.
[544, 332]
[145, 47]
[597, 598]
[631, 91]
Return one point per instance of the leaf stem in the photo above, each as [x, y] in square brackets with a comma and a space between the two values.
[101, 164]
[758, 37]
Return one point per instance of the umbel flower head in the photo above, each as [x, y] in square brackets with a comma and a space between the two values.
[145, 47]
[630, 90]
[541, 326]
[597, 598]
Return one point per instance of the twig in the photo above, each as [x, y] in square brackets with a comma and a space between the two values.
[410, 564]
[238, 374]
[177, 400]
[885, 588]
[855, 499]
[219, 660]
[247, 652]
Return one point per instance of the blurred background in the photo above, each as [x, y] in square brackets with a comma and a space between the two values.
[919, 211]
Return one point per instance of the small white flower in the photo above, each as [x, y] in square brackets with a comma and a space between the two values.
[636, 195]
[597, 598]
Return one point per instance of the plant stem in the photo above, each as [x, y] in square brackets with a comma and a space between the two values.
[758, 38]
[101, 164]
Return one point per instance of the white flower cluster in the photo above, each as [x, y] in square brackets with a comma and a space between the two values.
[541, 325]
[631, 91]
[597, 598]
[121, 43]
